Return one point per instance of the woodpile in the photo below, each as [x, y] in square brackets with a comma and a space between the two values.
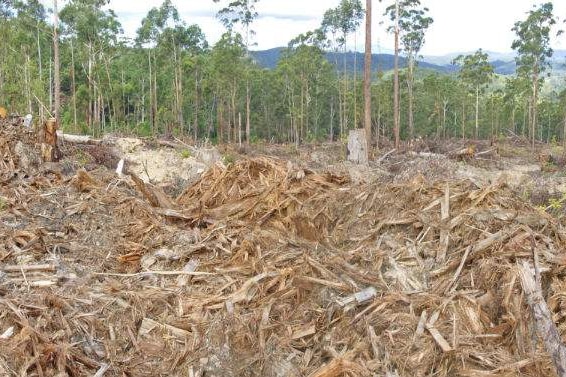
[265, 268]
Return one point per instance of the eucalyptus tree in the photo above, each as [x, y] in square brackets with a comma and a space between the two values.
[161, 31]
[30, 16]
[533, 52]
[307, 75]
[412, 23]
[57, 65]
[227, 64]
[477, 73]
[95, 32]
[395, 12]
[439, 99]
[242, 12]
[194, 47]
[339, 23]
[367, 78]
[517, 100]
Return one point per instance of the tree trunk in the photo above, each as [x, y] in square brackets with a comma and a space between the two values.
[28, 83]
[234, 122]
[411, 103]
[248, 100]
[345, 94]
[51, 80]
[463, 120]
[355, 89]
[74, 88]
[154, 108]
[534, 105]
[40, 64]
[240, 129]
[367, 78]
[57, 65]
[152, 93]
[90, 110]
[477, 112]
[513, 127]
[195, 125]
[444, 109]
[331, 134]
[181, 99]
[396, 122]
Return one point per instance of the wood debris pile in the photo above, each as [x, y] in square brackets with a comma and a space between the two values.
[262, 268]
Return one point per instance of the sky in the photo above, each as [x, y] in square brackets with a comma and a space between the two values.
[459, 25]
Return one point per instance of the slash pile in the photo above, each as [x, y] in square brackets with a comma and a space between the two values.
[263, 268]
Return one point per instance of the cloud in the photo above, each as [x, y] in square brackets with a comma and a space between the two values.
[289, 17]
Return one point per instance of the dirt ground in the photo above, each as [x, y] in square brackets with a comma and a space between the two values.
[276, 261]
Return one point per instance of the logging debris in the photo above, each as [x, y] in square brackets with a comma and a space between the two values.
[267, 268]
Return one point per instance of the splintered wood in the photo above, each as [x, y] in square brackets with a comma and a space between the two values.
[265, 268]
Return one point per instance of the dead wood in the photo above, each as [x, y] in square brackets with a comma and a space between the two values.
[542, 318]
[268, 268]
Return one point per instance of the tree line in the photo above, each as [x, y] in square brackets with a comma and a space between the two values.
[170, 80]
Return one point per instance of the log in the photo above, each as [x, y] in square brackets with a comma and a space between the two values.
[544, 325]
[29, 267]
[78, 139]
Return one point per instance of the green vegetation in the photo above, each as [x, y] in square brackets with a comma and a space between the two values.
[228, 159]
[169, 80]
[185, 153]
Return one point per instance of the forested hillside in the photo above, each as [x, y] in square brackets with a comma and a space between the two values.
[354, 61]
[170, 79]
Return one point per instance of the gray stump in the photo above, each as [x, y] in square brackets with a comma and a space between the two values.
[357, 147]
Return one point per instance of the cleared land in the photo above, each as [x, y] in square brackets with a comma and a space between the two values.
[277, 262]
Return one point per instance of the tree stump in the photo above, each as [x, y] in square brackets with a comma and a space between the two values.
[357, 147]
[49, 150]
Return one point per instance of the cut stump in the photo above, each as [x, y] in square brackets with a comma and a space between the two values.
[357, 147]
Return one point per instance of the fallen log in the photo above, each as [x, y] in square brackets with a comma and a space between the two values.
[544, 325]
[78, 139]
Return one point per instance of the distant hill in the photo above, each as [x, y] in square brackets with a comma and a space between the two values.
[503, 63]
[380, 62]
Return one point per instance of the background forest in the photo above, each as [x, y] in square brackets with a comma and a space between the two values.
[170, 80]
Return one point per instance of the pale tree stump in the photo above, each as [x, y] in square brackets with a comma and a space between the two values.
[358, 147]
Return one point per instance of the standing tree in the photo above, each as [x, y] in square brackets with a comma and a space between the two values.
[244, 13]
[476, 72]
[344, 19]
[411, 23]
[56, 64]
[156, 30]
[367, 79]
[533, 49]
[396, 113]
[94, 32]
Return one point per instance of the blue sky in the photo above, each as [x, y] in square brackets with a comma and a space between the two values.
[460, 25]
